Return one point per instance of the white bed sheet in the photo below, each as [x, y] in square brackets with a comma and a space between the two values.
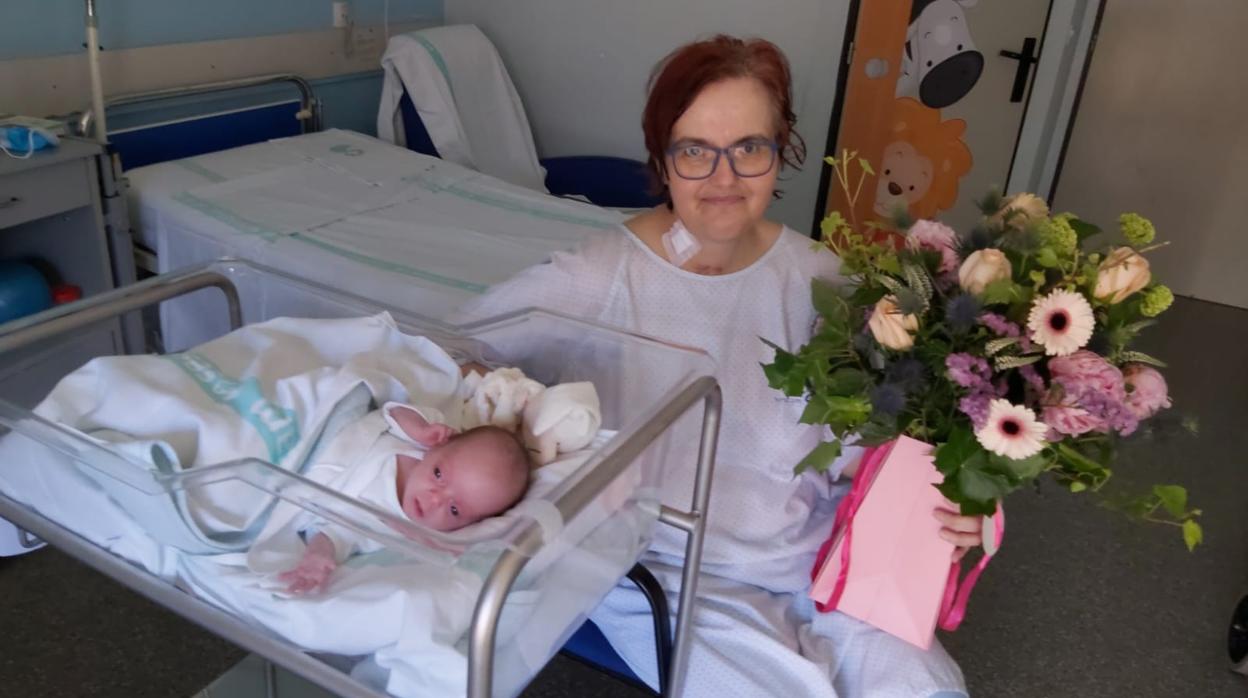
[358, 215]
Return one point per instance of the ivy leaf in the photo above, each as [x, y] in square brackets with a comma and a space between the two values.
[1173, 498]
[1017, 470]
[820, 458]
[967, 507]
[982, 486]
[877, 432]
[1192, 534]
[1083, 229]
[847, 382]
[828, 302]
[951, 455]
[840, 413]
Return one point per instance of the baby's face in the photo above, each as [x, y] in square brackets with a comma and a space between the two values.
[461, 482]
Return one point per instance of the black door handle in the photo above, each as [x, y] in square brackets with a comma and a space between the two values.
[1025, 59]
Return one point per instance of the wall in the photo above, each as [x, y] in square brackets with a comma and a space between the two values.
[581, 68]
[150, 44]
[1160, 130]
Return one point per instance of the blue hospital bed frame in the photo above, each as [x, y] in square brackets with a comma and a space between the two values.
[604, 180]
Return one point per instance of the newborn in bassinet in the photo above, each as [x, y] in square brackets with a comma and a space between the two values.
[420, 469]
[416, 465]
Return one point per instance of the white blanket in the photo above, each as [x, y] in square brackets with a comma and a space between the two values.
[267, 391]
[465, 99]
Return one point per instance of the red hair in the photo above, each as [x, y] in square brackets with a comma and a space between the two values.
[680, 77]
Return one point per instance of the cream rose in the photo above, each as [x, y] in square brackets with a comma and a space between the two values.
[1020, 210]
[890, 327]
[1123, 272]
[981, 268]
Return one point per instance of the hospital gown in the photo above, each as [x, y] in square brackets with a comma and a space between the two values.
[755, 631]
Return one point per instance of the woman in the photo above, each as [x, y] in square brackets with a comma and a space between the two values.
[719, 128]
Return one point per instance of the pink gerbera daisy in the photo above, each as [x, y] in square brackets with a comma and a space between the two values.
[1061, 322]
[1012, 431]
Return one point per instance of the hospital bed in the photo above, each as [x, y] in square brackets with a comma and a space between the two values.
[539, 577]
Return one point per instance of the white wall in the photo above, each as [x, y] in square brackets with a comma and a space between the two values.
[581, 68]
[1161, 131]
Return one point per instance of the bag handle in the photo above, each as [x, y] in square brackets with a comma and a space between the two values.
[953, 607]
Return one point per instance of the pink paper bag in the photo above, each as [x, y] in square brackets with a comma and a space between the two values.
[888, 565]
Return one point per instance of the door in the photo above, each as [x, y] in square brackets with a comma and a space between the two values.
[934, 100]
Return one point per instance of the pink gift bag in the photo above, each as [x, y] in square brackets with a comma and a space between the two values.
[885, 563]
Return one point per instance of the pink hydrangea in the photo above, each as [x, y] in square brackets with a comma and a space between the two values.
[1071, 420]
[1087, 371]
[937, 237]
[1148, 392]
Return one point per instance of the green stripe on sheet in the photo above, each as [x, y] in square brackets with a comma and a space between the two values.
[200, 170]
[438, 60]
[226, 216]
[275, 424]
[506, 203]
[389, 266]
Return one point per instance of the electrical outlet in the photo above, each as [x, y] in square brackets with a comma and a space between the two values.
[342, 14]
[368, 41]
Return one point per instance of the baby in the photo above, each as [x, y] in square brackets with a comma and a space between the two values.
[459, 479]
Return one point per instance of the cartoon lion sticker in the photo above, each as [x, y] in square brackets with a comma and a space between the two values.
[922, 163]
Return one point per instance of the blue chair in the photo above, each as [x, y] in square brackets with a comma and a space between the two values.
[604, 180]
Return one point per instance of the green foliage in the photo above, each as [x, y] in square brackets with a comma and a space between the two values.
[820, 458]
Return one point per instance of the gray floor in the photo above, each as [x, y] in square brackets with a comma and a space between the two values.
[1079, 602]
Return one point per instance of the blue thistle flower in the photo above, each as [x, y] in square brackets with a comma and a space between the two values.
[888, 399]
[962, 312]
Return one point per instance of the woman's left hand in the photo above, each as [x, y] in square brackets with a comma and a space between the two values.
[965, 532]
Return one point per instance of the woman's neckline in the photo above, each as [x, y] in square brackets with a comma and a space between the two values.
[663, 261]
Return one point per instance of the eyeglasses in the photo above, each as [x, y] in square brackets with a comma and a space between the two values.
[749, 158]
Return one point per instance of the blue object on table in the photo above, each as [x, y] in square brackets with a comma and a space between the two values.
[23, 291]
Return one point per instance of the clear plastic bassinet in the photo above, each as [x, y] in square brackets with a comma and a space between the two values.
[538, 578]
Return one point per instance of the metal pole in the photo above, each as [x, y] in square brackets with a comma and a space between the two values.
[693, 546]
[88, 311]
[93, 66]
[497, 585]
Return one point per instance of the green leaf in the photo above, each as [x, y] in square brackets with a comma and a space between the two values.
[889, 263]
[840, 413]
[866, 166]
[820, 458]
[866, 296]
[1140, 357]
[1083, 229]
[967, 507]
[1077, 486]
[983, 486]
[1047, 257]
[847, 382]
[880, 430]
[951, 455]
[1173, 498]
[828, 301]
[1019, 470]
[1193, 535]
[1000, 291]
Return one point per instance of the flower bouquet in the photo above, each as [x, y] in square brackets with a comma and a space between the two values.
[1007, 349]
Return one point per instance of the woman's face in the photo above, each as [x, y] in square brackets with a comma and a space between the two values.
[723, 206]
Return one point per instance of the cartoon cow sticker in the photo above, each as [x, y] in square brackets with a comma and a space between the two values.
[940, 64]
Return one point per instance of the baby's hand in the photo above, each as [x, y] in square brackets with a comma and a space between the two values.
[314, 570]
[418, 430]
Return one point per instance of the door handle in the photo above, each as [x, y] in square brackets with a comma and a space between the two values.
[1025, 59]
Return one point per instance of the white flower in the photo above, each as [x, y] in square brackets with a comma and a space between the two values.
[890, 327]
[1012, 431]
[1061, 322]
[981, 268]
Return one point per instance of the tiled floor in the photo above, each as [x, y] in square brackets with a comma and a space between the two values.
[1080, 602]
